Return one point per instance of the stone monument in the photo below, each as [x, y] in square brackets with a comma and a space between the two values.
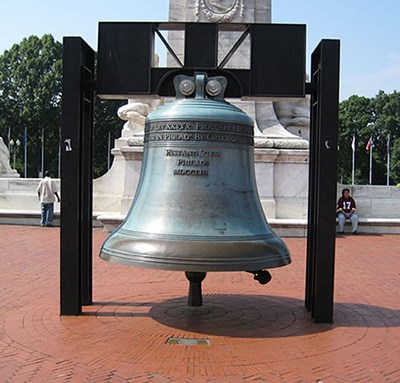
[281, 127]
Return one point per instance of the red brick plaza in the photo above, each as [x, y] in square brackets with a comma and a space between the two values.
[255, 333]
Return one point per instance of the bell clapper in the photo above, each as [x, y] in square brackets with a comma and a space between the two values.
[195, 298]
[262, 276]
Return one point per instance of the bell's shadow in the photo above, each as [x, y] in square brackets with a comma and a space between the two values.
[248, 316]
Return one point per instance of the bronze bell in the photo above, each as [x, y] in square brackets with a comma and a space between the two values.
[196, 207]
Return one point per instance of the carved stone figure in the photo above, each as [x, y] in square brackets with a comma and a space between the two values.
[217, 11]
[135, 113]
[5, 168]
[294, 115]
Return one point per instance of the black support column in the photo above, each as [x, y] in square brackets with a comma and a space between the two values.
[76, 176]
[322, 181]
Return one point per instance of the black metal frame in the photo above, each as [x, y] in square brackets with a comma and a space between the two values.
[76, 176]
[116, 56]
[125, 58]
[322, 181]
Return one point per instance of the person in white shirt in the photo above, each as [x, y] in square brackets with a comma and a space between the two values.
[47, 193]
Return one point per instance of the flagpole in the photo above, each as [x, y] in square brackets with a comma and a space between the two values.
[370, 162]
[25, 152]
[353, 167]
[42, 155]
[388, 161]
[9, 138]
[109, 151]
[59, 152]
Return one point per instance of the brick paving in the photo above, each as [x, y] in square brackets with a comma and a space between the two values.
[257, 333]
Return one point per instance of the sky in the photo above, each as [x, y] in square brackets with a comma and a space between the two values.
[369, 31]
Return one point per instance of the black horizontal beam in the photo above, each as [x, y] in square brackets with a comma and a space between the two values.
[126, 55]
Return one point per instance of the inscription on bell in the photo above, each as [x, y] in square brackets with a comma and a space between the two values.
[185, 162]
[217, 132]
[190, 172]
[191, 153]
[189, 161]
[193, 158]
[198, 137]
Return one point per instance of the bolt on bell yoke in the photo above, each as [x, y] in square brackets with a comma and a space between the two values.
[196, 207]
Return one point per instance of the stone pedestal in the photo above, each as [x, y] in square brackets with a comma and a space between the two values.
[12, 173]
[114, 191]
[282, 181]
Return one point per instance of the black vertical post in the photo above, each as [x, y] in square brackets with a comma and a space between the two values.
[76, 177]
[87, 180]
[323, 183]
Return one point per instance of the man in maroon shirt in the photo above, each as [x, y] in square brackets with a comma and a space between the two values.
[346, 209]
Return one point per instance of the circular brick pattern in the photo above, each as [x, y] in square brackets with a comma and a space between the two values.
[243, 322]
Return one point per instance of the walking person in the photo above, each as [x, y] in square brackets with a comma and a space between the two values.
[47, 193]
[346, 209]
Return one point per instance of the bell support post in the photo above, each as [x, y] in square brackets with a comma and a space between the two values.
[76, 177]
[322, 189]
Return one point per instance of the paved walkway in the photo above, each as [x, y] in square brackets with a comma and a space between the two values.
[256, 333]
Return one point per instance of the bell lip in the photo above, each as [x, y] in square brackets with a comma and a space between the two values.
[242, 266]
[212, 256]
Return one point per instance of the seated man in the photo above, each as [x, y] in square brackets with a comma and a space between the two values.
[346, 209]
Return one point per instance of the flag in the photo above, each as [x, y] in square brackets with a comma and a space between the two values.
[388, 143]
[370, 144]
[353, 143]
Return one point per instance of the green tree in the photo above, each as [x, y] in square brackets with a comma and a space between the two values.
[355, 118]
[395, 161]
[107, 125]
[387, 122]
[30, 97]
[378, 118]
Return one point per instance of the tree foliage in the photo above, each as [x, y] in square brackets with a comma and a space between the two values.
[379, 118]
[355, 118]
[107, 127]
[30, 97]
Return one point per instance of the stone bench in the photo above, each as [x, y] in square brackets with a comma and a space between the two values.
[298, 227]
[27, 217]
[289, 227]
[32, 218]
[283, 227]
[376, 225]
